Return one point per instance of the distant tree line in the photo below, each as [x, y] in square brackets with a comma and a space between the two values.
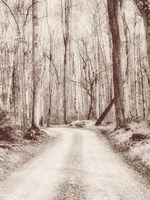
[72, 60]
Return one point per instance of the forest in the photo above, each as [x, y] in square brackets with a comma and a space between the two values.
[68, 60]
[74, 99]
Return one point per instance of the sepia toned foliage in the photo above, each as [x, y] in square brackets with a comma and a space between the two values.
[66, 60]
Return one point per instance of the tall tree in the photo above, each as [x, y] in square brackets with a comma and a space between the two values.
[36, 67]
[117, 74]
[66, 12]
[144, 8]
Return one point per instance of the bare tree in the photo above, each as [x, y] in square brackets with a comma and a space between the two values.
[144, 8]
[36, 68]
[65, 18]
[117, 74]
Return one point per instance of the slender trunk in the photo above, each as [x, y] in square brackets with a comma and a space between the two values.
[127, 81]
[64, 83]
[50, 67]
[36, 68]
[147, 31]
[50, 89]
[91, 108]
[144, 9]
[66, 31]
[23, 76]
[103, 115]
[15, 80]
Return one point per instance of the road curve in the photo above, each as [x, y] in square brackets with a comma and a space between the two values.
[79, 165]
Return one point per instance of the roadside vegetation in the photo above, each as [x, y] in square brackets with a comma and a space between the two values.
[132, 143]
[18, 146]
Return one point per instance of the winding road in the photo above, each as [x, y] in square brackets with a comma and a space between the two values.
[78, 165]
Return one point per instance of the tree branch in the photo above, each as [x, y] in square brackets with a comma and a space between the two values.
[28, 10]
[11, 12]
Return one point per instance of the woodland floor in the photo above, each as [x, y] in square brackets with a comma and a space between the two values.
[132, 144]
[80, 164]
[13, 155]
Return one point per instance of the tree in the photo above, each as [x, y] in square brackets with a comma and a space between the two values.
[117, 74]
[144, 8]
[106, 111]
[36, 68]
[66, 12]
[68, 73]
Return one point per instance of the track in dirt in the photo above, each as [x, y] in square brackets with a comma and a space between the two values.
[78, 166]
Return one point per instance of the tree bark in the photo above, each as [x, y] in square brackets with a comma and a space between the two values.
[103, 115]
[117, 74]
[36, 68]
[66, 31]
[144, 9]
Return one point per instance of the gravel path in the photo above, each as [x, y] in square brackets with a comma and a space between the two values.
[77, 166]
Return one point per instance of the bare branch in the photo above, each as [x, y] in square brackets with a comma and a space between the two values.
[28, 10]
[11, 12]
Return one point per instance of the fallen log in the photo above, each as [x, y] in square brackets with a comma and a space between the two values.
[103, 115]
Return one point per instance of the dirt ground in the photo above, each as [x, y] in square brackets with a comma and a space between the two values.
[132, 144]
[13, 155]
[79, 165]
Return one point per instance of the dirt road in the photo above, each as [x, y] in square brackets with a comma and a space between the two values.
[77, 166]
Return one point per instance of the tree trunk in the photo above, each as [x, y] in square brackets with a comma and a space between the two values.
[117, 74]
[36, 68]
[127, 71]
[144, 8]
[103, 115]
[64, 83]
[66, 30]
